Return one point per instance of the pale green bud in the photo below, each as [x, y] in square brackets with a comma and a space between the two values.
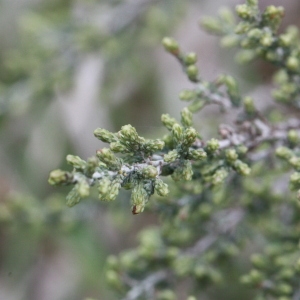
[231, 155]
[91, 165]
[266, 40]
[128, 134]
[198, 154]
[104, 135]
[191, 298]
[186, 117]
[113, 279]
[189, 136]
[171, 156]
[113, 192]
[171, 45]
[241, 167]
[161, 188]
[139, 197]
[183, 172]
[177, 133]
[219, 176]
[197, 105]
[187, 95]
[212, 145]
[293, 136]
[106, 156]
[190, 58]
[244, 11]
[192, 73]
[245, 56]
[295, 162]
[103, 188]
[242, 27]
[76, 162]
[272, 16]
[154, 145]
[288, 38]
[249, 105]
[285, 40]
[230, 40]
[168, 121]
[284, 152]
[226, 15]
[149, 172]
[212, 24]
[58, 177]
[112, 262]
[295, 180]
[292, 63]
[83, 188]
[73, 197]
[255, 33]
[117, 147]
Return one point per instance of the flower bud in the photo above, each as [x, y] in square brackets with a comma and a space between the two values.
[149, 172]
[161, 188]
[189, 136]
[58, 177]
[187, 95]
[106, 156]
[284, 152]
[171, 156]
[73, 197]
[186, 117]
[292, 63]
[198, 154]
[231, 155]
[83, 188]
[117, 147]
[241, 167]
[104, 135]
[177, 133]
[183, 172]
[171, 45]
[197, 105]
[91, 165]
[190, 58]
[219, 176]
[192, 72]
[293, 137]
[128, 134]
[168, 121]
[76, 162]
[212, 25]
[103, 188]
[295, 181]
[249, 105]
[154, 145]
[139, 197]
[212, 145]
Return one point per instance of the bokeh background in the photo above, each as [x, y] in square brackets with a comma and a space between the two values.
[66, 68]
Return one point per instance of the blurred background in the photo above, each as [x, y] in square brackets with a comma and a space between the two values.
[66, 68]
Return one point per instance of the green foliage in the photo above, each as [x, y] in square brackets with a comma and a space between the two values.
[212, 211]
